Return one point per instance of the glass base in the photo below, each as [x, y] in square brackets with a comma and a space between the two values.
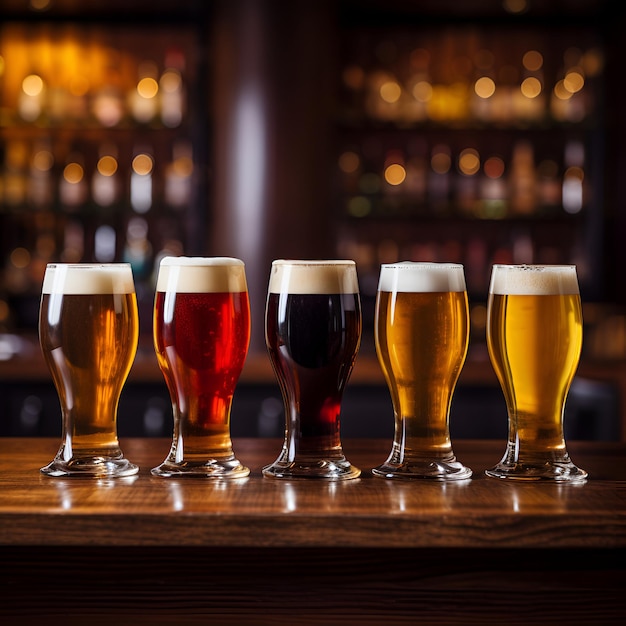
[211, 468]
[449, 469]
[555, 466]
[555, 471]
[91, 467]
[325, 469]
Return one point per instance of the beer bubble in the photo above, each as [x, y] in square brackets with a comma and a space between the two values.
[534, 280]
[412, 277]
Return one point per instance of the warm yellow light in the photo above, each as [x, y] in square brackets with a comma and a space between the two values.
[469, 161]
[574, 172]
[171, 81]
[395, 174]
[73, 173]
[532, 60]
[592, 62]
[423, 91]
[484, 87]
[390, 91]
[142, 164]
[107, 165]
[531, 87]
[43, 160]
[32, 85]
[183, 167]
[574, 81]
[147, 87]
[440, 162]
[561, 92]
[349, 162]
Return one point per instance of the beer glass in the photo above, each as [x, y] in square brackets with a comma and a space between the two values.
[313, 334]
[534, 337]
[88, 332]
[421, 331]
[201, 334]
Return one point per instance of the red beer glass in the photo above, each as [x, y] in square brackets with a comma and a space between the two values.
[201, 336]
[313, 334]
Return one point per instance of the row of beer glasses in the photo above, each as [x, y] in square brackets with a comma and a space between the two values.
[201, 328]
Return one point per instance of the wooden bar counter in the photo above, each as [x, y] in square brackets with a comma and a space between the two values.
[257, 551]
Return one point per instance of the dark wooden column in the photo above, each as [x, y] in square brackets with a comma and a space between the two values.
[272, 98]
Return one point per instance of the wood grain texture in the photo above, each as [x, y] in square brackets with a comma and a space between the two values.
[366, 512]
[258, 551]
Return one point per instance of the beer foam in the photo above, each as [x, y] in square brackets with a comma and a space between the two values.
[313, 277]
[533, 280]
[88, 278]
[412, 277]
[201, 275]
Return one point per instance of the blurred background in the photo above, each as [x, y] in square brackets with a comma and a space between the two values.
[476, 132]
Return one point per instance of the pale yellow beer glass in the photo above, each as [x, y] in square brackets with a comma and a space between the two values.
[88, 332]
[422, 334]
[534, 336]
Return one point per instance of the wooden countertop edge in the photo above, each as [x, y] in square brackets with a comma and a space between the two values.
[341, 530]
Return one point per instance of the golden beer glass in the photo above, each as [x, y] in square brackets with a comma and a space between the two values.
[313, 334]
[88, 332]
[201, 335]
[422, 333]
[534, 337]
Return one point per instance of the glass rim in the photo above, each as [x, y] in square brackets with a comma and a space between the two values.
[200, 261]
[90, 265]
[534, 266]
[421, 265]
[315, 262]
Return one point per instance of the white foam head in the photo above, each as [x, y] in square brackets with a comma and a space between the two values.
[533, 280]
[201, 275]
[313, 277]
[411, 277]
[88, 278]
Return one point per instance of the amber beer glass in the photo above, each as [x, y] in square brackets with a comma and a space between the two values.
[313, 334]
[88, 331]
[534, 337]
[201, 335]
[421, 333]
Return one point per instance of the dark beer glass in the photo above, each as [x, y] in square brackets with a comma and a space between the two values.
[201, 335]
[313, 334]
[88, 332]
[422, 335]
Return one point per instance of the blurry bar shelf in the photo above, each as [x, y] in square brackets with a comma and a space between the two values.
[28, 366]
[365, 551]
